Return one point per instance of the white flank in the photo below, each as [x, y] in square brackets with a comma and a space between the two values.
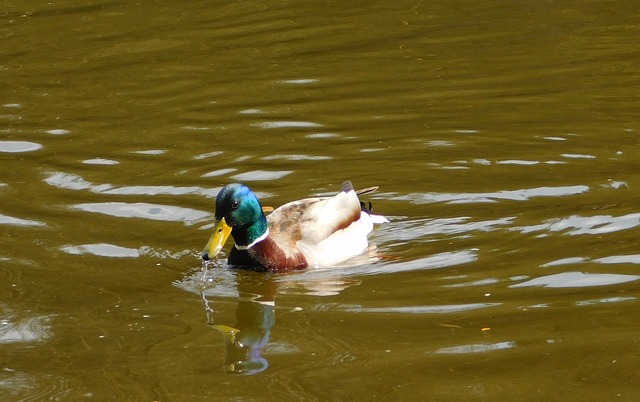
[334, 209]
[341, 245]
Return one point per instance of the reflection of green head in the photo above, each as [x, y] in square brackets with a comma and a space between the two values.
[244, 344]
[242, 211]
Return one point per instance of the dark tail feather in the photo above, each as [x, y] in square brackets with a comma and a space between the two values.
[346, 187]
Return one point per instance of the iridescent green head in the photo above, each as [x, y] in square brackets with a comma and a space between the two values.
[237, 208]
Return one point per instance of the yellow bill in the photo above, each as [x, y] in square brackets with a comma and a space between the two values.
[220, 234]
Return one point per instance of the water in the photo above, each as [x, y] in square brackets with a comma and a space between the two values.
[503, 139]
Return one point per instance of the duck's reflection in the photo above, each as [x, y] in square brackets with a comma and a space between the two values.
[255, 313]
[255, 316]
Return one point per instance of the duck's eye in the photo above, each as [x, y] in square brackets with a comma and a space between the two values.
[235, 204]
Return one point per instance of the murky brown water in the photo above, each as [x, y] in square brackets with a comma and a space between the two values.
[503, 137]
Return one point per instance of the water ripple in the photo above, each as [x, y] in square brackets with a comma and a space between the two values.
[619, 259]
[565, 261]
[262, 175]
[286, 124]
[74, 182]
[614, 259]
[517, 162]
[458, 225]
[19, 146]
[299, 81]
[207, 155]
[577, 280]
[143, 210]
[162, 190]
[427, 230]
[322, 135]
[514, 195]
[577, 225]
[9, 220]
[150, 152]
[102, 250]
[436, 261]
[25, 386]
[100, 161]
[10, 117]
[30, 329]
[476, 348]
[605, 300]
[578, 156]
[219, 172]
[443, 309]
[296, 157]
[58, 131]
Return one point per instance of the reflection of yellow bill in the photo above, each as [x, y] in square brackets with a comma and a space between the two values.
[220, 234]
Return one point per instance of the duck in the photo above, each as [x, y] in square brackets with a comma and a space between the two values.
[312, 232]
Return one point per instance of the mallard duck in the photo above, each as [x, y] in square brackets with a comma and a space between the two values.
[316, 232]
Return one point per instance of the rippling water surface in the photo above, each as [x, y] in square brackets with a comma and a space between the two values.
[503, 138]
